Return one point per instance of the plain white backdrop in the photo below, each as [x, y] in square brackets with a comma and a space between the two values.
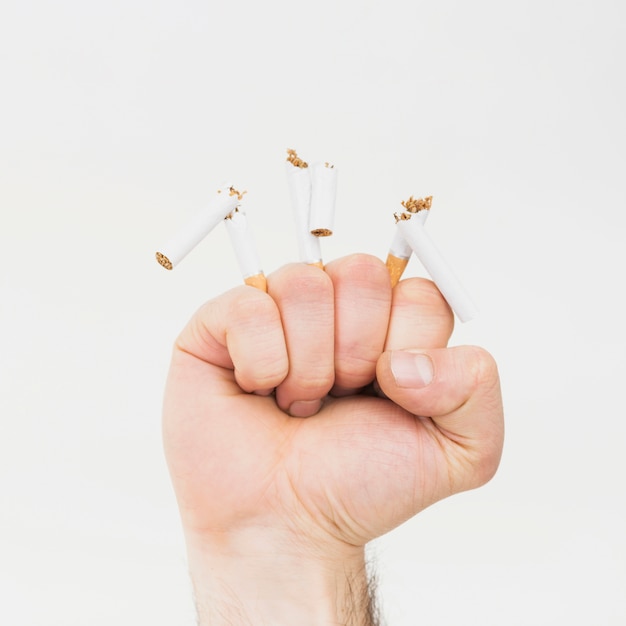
[118, 119]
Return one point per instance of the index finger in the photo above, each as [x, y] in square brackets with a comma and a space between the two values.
[242, 331]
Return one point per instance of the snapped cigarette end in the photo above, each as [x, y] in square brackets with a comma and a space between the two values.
[233, 192]
[395, 267]
[164, 261]
[322, 232]
[413, 205]
[258, 281]
[295, 160]
[317, 264]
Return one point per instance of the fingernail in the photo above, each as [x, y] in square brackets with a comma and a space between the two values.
[411, 369]
[304, 408]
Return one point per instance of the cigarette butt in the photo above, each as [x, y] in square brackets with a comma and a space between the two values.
[400, 251]
[318, 264]
[395, 266]
[424, 248]
[299, 182]
[245, 249]
[196, 229]
[257, 280]
[323, 193]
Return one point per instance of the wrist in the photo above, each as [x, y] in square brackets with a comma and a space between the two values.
[255, 579]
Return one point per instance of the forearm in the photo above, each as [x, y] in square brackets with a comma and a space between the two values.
[262, 584]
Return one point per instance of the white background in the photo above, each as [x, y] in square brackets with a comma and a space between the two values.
[119, 118]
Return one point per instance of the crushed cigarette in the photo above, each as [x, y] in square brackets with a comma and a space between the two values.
[196, 229]
[400, 251]
[323, 192]
[411, 227]
[245, 249]
[299, 182]
[313, 192]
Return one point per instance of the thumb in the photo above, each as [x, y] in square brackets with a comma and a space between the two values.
[459, 389]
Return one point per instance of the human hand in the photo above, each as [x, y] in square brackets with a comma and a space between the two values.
[285, 456]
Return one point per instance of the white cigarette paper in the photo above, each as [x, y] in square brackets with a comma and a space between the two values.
[416, 236]
[192, 233]
[299, 182]
[323, 193]
[245, 249]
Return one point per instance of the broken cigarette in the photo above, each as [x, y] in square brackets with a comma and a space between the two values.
[400, 251]
[411, 225]
[299, 182]
[192, 233]
[323, 192]
[245, 249]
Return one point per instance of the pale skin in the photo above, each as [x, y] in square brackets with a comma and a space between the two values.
[302, 423]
